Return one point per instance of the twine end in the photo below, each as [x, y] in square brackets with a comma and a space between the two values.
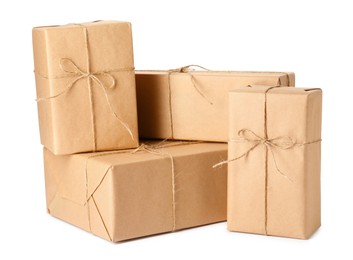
[219, 165]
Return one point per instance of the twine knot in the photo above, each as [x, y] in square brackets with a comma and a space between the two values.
[265, 141]
[247, 135]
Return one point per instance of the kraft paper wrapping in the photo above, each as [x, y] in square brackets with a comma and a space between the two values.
[274, 181]
[193, 105]
[127, 194]
[85, 87]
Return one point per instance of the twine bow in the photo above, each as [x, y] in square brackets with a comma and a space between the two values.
[247, 135]
[75, 73]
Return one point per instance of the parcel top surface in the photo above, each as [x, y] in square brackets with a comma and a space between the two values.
[175, 149]
[71, 25]
[278, 90]
[213, 73]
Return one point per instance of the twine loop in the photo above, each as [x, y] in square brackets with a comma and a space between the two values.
[188, 68]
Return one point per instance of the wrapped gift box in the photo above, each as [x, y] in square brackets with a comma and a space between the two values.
[85, 87]
[274, 161]
[126, 194]
[193, 105]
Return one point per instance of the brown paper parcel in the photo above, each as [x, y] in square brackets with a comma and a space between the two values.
[124, 194]
[85, 87]
[193, 105]
[274, 161]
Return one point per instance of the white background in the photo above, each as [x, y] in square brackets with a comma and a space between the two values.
[311, 38]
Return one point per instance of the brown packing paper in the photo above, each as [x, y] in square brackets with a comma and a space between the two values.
[193, 105]
[134, 193]
[274, 161]
[85, 87]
